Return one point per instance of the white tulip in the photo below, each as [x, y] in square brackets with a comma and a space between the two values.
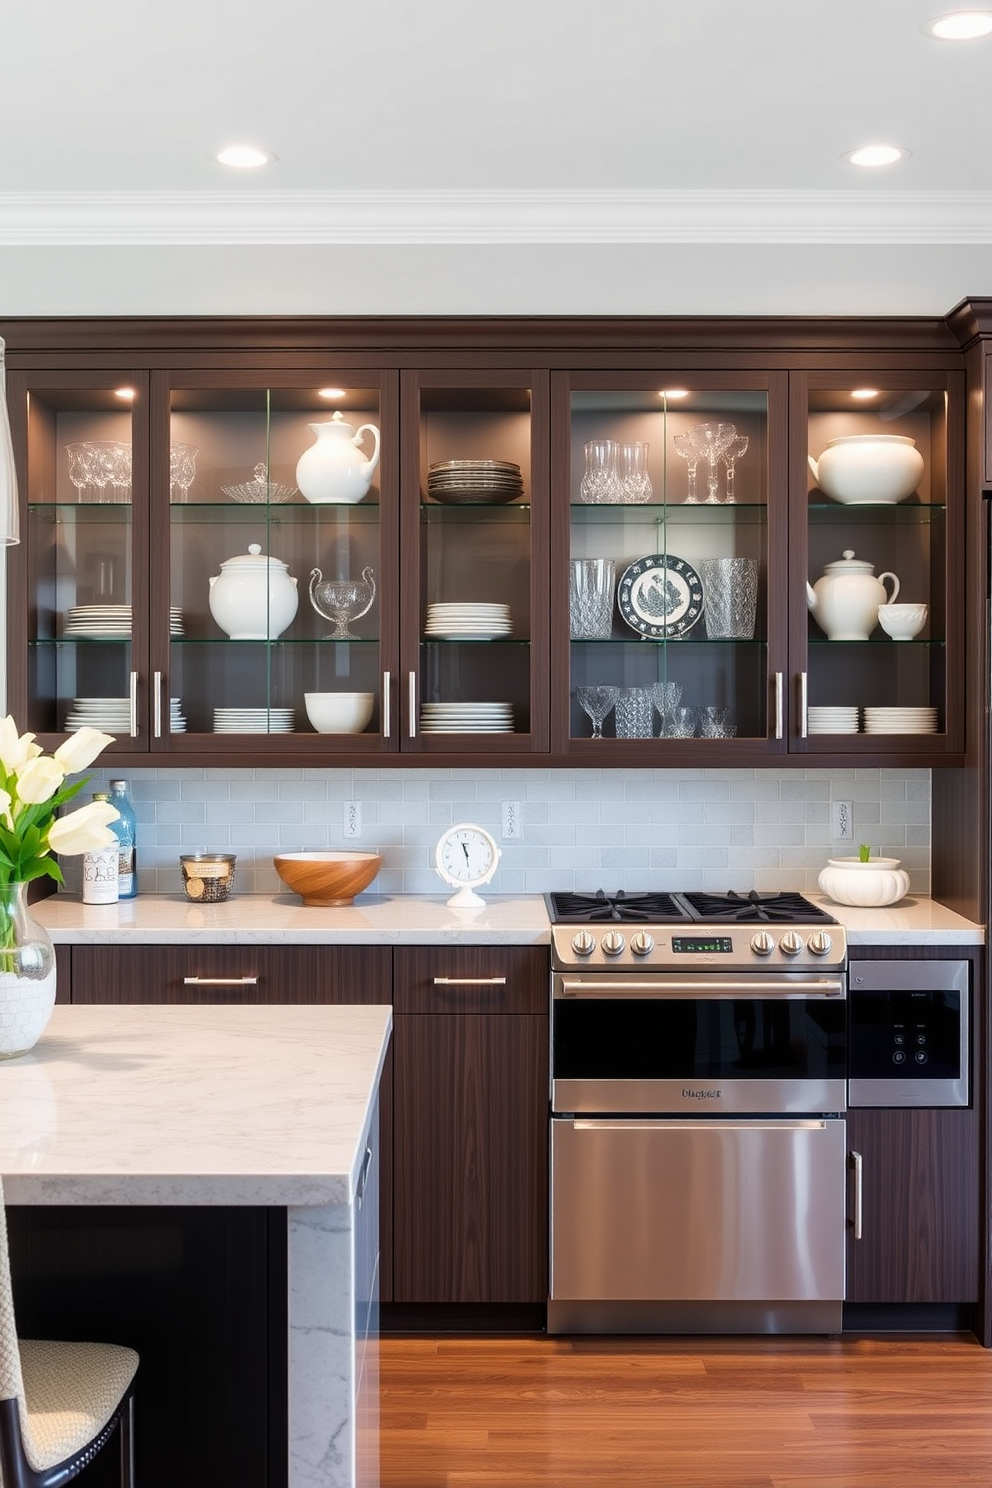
[15, 749]
[84, 830]
[38, 780]
[81, 749]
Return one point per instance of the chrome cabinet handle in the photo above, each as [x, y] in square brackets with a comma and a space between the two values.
[387, 687]
[412, 702]
[132, 693]
[363, 1177]
[157, 704]
[857, 1163]
[201, 981]
[803, 698]
[779, 712]
[470, 981]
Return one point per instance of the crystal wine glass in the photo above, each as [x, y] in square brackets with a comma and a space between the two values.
[81, 458]
[712, 442]
[182, 469]
[684, 447]
[733, 454]
[597, 702]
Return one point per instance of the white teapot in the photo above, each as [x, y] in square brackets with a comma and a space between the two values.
[334, 468]
[253, 597]
[844, 601]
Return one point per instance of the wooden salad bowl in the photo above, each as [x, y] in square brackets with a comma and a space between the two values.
[326, 878]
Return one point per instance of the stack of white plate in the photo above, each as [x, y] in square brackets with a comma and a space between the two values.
[253, 720]
[109, 622]
[832, 720]
[177, 720]
[468, 622]
[466, 718]
[900, 720]
[474, 481]
[111, 714]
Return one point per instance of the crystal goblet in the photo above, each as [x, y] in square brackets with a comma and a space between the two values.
[712, 441]
[596, 702]
[733, 454]
[182, 469]
[684, 447]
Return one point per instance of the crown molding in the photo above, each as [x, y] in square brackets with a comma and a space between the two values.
[80, 218]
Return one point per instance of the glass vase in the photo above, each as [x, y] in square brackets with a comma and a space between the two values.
[27, 974]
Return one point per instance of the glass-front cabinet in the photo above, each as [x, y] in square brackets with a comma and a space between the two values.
[671, 617]
[878, 514]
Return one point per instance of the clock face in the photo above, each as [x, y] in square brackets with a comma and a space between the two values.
[466, 855]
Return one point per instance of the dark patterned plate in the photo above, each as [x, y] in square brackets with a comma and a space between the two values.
[660, 596]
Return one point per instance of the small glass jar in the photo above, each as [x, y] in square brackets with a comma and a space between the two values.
[207, 877]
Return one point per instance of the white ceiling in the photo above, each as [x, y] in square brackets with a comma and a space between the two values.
[438, 155]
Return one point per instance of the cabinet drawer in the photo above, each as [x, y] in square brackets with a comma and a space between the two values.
[471, 979]
[231, 973]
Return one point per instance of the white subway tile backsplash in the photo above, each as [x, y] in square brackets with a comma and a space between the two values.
[588, 829]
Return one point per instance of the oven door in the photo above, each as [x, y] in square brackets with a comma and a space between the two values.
[669, 1044]
[709, 1226]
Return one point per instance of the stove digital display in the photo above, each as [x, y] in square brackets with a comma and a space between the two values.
[702, 945]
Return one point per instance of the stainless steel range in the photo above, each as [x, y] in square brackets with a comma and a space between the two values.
[698, 1091]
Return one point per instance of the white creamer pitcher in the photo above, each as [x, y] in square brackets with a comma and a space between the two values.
[334, 468]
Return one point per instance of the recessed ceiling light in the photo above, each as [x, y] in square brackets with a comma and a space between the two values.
[674, 393]
[960, 25]
[331, 392]
[244, 157]
[864, 393]
[874, 155]
[126, 393]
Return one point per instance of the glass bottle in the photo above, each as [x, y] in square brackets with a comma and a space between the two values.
[126, 831]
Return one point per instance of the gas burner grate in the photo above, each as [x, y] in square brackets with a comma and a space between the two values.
[786, 908]
[579, 909]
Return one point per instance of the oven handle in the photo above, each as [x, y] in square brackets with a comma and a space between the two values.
[703, 988]
[804, 1123]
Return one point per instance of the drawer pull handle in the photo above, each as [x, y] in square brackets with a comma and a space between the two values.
[201, 981]
[857, 1162]
[470, 981]
[363, 1177]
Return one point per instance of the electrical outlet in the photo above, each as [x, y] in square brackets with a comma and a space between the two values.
[842, 821]
[352, 818]
[513, 825]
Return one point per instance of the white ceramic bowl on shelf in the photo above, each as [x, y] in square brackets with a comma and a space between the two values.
[901, 622]
[339, 712]
[870, 885]
[877, 469]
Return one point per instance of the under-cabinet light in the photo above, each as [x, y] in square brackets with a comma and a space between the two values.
[863, 394]
[126, 393]
[960, 25]
[673, 393]
[244, 157]
[331, 392]
[9, 520]
[875, 155]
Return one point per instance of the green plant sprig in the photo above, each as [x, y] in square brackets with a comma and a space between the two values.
[864, 852]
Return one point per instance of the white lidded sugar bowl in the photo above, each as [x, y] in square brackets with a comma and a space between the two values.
[876, 469]
[254, 597]
[844, 601]
[335, 468]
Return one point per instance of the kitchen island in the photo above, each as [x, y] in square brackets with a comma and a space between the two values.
[270, 1109]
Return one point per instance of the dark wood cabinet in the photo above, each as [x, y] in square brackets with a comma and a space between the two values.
[920, 1227]
[471, 1093]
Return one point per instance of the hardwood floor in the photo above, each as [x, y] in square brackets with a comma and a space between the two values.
[704, 1413]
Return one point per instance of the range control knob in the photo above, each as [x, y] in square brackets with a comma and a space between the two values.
[762, 944]
[791, 943]
[613, 942]
[583, 944]
[820, 943]
[642, 944]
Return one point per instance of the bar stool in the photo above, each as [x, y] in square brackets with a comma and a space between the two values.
[59, 1402]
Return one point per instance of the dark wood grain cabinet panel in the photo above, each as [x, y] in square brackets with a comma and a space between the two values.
[471, 1092]
[920, 1229]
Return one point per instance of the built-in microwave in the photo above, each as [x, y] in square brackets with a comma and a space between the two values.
[908, 1033]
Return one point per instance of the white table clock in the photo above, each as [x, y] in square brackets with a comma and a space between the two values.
[466, 857]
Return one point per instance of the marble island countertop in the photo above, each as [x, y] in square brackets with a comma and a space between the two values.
[192, 1105]
[281, 919]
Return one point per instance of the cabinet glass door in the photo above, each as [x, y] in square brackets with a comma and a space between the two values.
[474, 567]
[673, 627]
[78, 576]
[279, 616]
[879, 622]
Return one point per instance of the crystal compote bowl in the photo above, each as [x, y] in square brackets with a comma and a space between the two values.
[712, 441]
[342, 600]
[596, 702]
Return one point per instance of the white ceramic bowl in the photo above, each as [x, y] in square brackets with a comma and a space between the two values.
[869, 885]
[872, 468]
[339, 712]
[902, 621]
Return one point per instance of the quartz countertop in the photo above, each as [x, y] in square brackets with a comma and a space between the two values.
[412, 919]
[192, 1105]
